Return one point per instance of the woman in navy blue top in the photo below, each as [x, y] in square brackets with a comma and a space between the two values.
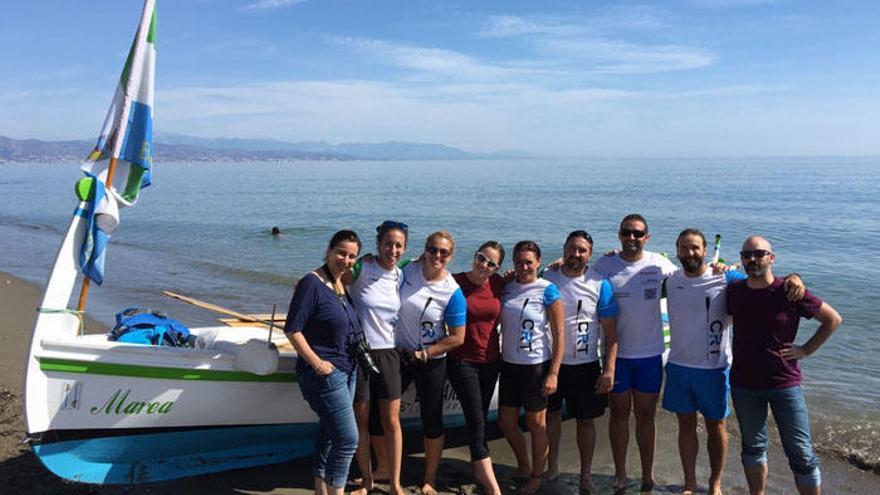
[321, 324]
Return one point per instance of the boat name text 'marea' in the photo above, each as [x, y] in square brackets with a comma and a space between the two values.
[118, 404]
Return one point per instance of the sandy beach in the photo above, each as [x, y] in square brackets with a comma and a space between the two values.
[21, 472]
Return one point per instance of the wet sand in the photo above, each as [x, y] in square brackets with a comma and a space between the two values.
[22, 472]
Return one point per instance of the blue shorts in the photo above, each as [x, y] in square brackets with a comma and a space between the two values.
[689, 390]
[643, 374]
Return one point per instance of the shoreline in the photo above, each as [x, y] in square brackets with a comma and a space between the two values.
[21, 471]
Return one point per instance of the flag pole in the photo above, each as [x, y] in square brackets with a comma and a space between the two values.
[136, 56]
[83, 294]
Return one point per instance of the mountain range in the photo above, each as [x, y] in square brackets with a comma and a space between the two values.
[180, 147]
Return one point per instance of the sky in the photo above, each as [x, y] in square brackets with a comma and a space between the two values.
[568, 78]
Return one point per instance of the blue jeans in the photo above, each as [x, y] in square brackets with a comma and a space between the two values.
[790, 412]
[330, 396]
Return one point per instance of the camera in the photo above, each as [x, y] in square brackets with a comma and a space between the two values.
[359, 349]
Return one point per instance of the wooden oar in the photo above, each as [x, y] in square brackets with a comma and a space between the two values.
[216, 308]
[271, 327]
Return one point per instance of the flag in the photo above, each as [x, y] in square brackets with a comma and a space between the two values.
[101, 224]
[127, 136]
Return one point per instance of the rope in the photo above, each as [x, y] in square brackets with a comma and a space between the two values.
[65, 311]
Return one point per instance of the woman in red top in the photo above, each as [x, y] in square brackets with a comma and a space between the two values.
[473, 367]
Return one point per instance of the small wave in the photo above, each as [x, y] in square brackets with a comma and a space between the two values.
[248, 275]
[858, 444]
[37, 227]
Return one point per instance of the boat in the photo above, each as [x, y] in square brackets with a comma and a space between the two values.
[105, 412]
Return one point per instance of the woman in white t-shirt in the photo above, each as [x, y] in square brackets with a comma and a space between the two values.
[431, 322]
[532, 346]
[375, 288]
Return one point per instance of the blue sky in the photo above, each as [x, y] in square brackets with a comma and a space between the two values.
[612, 78]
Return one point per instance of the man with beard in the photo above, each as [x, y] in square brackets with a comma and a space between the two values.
[699, 356]
[583, 384]
[765, 368]
[636, 276]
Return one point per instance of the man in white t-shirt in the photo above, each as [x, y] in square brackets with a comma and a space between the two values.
[584, 383]
[699, 357]
[636, 276]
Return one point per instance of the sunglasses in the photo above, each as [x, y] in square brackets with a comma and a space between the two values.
[481, 258]
[638, 234]
[391, 224]
[754, 253]
[435, 251]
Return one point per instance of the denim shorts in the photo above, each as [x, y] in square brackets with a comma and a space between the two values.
[790, 412]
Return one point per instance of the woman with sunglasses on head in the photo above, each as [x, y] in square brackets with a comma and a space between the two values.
[431, 322]
[473, 367]
[375, 288]
[532, 317]
[322, 325]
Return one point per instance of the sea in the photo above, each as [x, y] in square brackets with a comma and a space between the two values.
[203, 230]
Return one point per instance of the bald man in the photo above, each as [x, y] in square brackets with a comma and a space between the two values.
[765, 370]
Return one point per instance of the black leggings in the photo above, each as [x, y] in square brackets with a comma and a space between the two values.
[474, 384]
[430, 379]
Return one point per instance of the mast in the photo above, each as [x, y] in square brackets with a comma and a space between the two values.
[121, 127]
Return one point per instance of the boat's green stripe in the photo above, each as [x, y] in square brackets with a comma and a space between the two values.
[92, 368]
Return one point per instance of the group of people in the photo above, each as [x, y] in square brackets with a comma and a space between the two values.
[537, 334]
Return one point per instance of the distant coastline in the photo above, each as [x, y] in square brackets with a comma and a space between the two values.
[179, 147]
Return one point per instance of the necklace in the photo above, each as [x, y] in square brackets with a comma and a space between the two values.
[331, 279]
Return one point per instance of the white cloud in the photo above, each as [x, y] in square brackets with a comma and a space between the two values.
[271, 4]
[641, 17]
[618, 57]
[435, 61]
[558, 58]
[610, 20]
[504, 26]
[593, 46]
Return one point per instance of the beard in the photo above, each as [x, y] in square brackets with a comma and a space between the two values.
[574, 264]
[756, 270]
[691, 265]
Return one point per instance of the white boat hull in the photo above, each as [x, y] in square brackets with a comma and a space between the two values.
[125, 413]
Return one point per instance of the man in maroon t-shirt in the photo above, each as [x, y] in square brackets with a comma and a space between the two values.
[765, 368]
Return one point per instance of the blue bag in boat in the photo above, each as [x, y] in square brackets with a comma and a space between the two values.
[143, 326]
